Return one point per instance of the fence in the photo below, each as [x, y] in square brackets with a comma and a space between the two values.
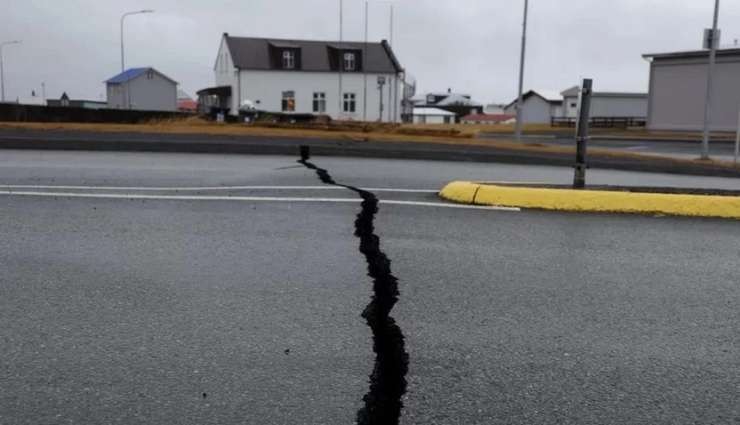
[601, 122]
[33, 113]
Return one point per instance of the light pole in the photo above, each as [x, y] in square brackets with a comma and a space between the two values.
[364, 108]
[714, 42]
[521, 75]
[123, 64]
[2, 71]
[340, 111]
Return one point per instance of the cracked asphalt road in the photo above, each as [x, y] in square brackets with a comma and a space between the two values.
[199, 312]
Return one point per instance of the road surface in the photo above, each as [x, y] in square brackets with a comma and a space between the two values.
[207, 289]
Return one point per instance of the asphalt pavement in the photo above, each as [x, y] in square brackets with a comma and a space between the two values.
[210, 289]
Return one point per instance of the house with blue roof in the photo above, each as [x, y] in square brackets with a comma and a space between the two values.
[143, 89]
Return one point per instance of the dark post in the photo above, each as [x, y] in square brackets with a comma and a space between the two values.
[584, 109]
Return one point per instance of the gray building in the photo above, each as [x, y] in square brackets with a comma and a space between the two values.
[144, 89]
[678, 83]
[538, 106]
[607, 104]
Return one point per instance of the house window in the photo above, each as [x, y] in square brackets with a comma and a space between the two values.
[350, 104]
[150, 75]
[573, 105]
[319, 103]
[350, 61]
[288, 59]
[288, 101]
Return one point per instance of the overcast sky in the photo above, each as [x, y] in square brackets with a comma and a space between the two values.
[470, 46]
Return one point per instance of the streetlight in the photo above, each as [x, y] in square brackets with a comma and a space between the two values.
[713, 44]
[521, 75]
[390, 87]
[123, 68]
[2, 72]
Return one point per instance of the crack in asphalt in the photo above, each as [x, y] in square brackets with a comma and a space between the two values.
[383, 401]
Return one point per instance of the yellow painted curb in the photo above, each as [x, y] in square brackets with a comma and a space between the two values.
[592, 200]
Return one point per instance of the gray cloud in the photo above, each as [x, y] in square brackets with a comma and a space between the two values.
[466, 45]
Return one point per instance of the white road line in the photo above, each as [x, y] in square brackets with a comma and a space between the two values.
[208, 188]
[244, 199]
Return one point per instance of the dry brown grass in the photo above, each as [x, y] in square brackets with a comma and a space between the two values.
[194, 125]
[637, 133]
[395, 134]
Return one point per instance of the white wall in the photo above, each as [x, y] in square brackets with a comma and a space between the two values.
[610, 106]
[433, 119]
[535, 110]
[226, 74]
[678, 89]
[266, 87]
[156, 94]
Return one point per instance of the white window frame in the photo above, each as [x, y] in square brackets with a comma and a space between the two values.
[288, 59]
[287, 96]
[350, 61]
[349, 103]
[319, 102]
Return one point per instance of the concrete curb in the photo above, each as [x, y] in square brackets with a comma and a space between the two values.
[595, 201]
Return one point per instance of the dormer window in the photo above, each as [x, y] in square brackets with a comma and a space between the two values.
[350, 61]
[288, 59]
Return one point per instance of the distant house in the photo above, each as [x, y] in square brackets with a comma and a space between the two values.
[33, 98]
[423, 115]
[335, 78]
[494, 108]
[489, 119]
[678, 83]
[459, 104]
[143, 89]
[538, 106]
[607, 104]
[65, 102]
[185, 103]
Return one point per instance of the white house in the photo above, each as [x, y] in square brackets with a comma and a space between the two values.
[607, 104]
[538, 106]
[339, 79]
[423, 115]
[144, 89]
[458, 103]
[678, 84]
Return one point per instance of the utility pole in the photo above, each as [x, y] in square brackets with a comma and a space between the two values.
[364, 64]
[521, 74]
[341, 54]
[584, 112]
[127, 95]
[713, 44]
[394, 86]
[123, 17]
[2, 70]
[381, 83]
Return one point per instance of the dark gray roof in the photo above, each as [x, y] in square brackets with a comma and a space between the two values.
[254, 53]
[691, 54]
